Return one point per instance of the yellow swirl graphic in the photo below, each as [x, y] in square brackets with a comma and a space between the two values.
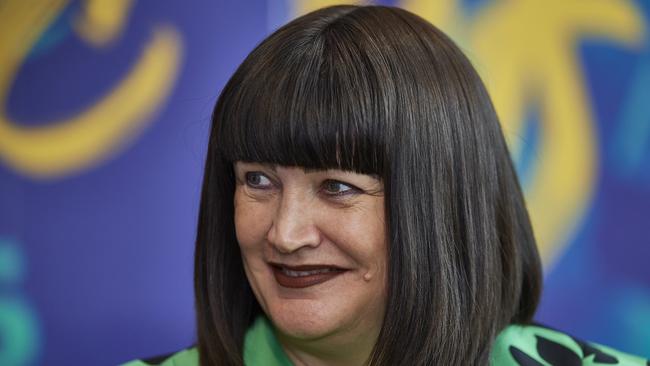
[62, 147]
[527, 52]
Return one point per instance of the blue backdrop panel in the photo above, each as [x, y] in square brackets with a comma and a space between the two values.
[104, 115]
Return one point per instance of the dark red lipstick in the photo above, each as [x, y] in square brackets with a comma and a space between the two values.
[304, 276]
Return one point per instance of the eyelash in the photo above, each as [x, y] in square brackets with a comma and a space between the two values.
[351, 189]
[247, 178]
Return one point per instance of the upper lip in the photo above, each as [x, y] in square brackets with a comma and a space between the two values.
[306, 267]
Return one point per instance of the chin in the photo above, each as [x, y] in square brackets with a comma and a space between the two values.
[304, 321]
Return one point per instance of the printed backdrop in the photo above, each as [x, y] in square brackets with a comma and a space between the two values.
[104, 113]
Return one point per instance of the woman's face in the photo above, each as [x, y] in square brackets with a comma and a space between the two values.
[313, 245]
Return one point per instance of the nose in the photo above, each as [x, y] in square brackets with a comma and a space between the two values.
[294, 226]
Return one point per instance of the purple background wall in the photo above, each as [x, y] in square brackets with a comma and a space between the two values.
[96, 256]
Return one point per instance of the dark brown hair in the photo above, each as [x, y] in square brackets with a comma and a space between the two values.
[377, 90]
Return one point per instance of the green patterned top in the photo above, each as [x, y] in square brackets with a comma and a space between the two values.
[517, 345]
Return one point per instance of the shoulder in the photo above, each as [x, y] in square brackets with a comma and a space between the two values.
[537, 345]
[187, 357]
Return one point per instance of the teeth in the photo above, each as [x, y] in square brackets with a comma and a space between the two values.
[291, 273]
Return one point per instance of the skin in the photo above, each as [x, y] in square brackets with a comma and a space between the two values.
[295, 217]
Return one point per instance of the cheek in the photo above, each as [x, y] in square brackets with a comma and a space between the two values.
[251, 221]
[251, 226]
[362, 235]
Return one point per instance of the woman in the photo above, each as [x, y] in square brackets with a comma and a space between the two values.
[360, 206]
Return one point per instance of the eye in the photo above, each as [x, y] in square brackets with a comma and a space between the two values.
[336, 188]
[258, 180]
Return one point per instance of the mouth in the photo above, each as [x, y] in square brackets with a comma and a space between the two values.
[304, 276]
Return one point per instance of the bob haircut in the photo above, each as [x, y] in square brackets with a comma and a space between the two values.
[377, 90]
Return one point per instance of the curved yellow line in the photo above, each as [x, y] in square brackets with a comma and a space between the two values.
[62, 147]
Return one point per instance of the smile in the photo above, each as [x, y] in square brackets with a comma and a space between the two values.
[304, 276]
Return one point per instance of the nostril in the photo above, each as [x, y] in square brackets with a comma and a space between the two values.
[289, 234]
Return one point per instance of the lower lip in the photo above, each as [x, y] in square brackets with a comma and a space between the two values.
[302, 281]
